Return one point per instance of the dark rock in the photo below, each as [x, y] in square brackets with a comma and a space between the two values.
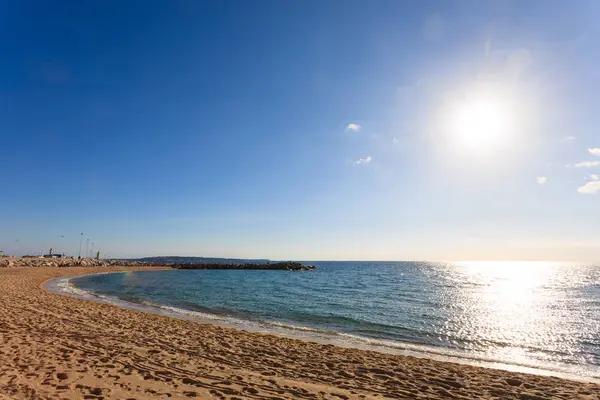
[285, 265]
[513, 382]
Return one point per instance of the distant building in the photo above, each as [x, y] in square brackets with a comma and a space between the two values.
[53, 256]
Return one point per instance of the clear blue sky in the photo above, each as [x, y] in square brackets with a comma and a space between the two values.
[386, 130]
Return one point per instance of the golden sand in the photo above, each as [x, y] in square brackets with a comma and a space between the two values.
[58, 347]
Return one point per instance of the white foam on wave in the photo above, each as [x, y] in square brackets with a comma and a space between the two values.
[184, 312]
[391, 344]
[295, 327]
[585, 373]
[65, 286]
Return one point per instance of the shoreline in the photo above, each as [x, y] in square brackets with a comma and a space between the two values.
[55, 346]
[300, 332]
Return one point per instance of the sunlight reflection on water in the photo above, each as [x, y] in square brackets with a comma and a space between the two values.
[521, 303]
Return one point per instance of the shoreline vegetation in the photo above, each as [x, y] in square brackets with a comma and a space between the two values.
[57, 346]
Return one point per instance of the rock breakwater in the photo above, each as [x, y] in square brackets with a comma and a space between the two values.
[285, 265]
[33, 262]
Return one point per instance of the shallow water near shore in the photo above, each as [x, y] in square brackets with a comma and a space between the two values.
[531, 317]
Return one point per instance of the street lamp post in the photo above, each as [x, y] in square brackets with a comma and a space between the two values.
[80, 244]
[60, 243]
[54, 247]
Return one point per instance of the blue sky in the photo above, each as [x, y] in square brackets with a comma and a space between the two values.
[302, 130]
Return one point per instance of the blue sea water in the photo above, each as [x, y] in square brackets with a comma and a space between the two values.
[516, 315]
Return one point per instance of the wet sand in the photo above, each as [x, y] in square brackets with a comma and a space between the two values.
[58, 347]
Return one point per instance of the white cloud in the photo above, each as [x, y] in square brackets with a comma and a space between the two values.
[353, 128]
[594, 177]
[541, 180]
[365, 160]
[587, 164]
[590, 188]
[395, 140]
[595, 151]
[568, 139]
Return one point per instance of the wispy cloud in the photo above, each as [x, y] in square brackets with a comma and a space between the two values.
[353, 128]
[595, 151]
[395, 140]
[590, 188]
[365, 160]
[587, 164]
[594, 177]
[568, 139]
[541, 180]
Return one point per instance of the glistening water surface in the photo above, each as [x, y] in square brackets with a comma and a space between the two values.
[539, 315]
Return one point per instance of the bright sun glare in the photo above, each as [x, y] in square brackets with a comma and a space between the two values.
[481, 123]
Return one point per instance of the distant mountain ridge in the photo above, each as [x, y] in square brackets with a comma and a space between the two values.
[198, 260]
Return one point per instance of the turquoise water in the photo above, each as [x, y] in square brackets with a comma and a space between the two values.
[538, 315]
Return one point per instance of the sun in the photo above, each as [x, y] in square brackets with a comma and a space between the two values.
[481, 123]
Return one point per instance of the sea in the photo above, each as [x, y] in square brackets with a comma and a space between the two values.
[540, 317]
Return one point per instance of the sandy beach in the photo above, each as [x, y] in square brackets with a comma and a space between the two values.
[58, 347]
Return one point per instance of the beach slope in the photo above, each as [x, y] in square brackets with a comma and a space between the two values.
[58, 347]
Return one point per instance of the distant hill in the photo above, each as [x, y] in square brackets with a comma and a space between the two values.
[196, 260]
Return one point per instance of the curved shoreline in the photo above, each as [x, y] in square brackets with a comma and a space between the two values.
[61, 347]
[315, 335]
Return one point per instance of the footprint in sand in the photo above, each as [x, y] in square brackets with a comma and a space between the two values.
[62, 376]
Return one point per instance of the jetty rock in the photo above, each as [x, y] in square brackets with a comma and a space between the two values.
[37, 262]
[284, 265]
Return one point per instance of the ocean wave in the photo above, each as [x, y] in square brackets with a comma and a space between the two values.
[570, 371]
[64, 285]
[182, 311]
[296, 327]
